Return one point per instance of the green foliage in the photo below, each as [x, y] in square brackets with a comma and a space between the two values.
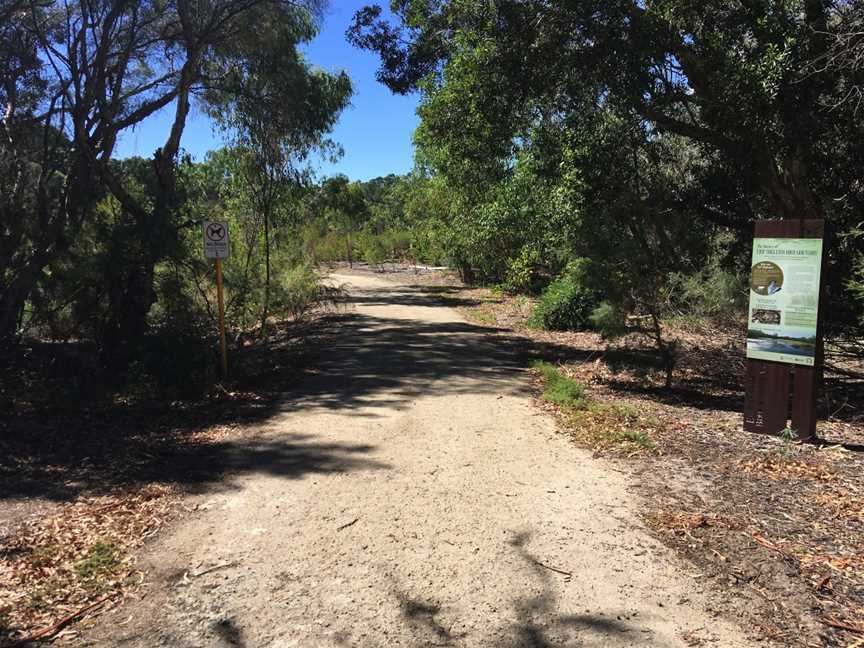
[373, 248]
[559, 389]
[101, 560]
[712, 293]
[609, 320]
[787, 442]
[568, 303]
[299, 290]
[855, 284]
[520, 275]
[633, 134]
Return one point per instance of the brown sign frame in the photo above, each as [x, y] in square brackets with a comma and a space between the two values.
[779, 395]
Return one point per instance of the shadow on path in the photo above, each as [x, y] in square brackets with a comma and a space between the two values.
[539, 623]
[363, 361]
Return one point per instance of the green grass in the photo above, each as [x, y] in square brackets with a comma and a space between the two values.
[637, 437]
[559, 389]
[102, 559]
[598, 425]
[484, 318]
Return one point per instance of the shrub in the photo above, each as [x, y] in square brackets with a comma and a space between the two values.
[373, 248]
[712, 294]
[521, 275]
[398, 243]
[101, 559]
[568, 302]
[180, 361]
[299, 290]
[559, 389]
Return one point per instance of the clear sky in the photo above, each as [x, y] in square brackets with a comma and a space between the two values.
[375, 130]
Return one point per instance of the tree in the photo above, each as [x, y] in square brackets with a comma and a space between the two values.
[277, 109]
[721, 74]
[80, 75]
[732, 81]
[341, 204]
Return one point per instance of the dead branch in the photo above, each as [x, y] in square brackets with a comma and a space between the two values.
[50, 631]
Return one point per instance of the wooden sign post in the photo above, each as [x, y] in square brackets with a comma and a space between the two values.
[217, 246]
[784, 337]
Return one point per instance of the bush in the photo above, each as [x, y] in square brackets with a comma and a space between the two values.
[567, 304]
[399, 243]
[181, 362]
[712, 294]
[560, 390]
[297, 291]
[373, 248]
[521, 275]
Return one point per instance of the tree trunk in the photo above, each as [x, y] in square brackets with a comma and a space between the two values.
[266, 308]
[666, 349]
[466, 273]
[11, 305]
[15, 295]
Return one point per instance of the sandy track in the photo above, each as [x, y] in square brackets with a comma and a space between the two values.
[414, 496]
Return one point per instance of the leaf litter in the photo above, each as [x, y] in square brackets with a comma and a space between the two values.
[776, 528]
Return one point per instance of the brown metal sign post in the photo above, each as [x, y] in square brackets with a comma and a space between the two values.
[784, 338]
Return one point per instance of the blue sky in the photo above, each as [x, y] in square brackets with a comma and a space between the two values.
[375, 131]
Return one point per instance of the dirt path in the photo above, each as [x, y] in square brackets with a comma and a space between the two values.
[414, 496]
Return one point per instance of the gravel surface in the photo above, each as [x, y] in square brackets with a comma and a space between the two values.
[413, 495]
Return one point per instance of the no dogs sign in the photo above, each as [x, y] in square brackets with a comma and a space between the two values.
[216, 244]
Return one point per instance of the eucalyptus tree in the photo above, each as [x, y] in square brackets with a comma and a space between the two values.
[78, 74]
[726, 75]
[763, 134]
[277, 108]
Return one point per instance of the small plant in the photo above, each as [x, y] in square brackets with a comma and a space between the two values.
[100, 560]
[614, 427]
[787, 441]
[637, 437]
[560, 390]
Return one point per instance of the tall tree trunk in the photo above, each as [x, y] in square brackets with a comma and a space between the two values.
[11, 305]
[266, 309]
[15, 295]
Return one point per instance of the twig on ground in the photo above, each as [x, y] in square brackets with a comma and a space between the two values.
[348, 524]
[51, 630]
[835, 623]
[213, 568]
[554, 569]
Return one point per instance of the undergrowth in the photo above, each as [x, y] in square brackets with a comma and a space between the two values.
[597, 425]
[101, 560]
[559, 389]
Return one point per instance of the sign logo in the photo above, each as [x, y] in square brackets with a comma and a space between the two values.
[216, 242]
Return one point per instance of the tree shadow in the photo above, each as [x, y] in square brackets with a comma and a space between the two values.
[379, 363]
[196, 466]
[63, 447]
[414, 295]
[539, 623]
[68, 445]
[228, 633]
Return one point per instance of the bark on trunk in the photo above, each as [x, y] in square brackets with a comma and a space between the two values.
[266, 309]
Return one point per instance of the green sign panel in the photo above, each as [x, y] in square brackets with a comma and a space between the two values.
[784, 300]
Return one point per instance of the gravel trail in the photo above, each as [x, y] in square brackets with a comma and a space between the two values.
[414, 496]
